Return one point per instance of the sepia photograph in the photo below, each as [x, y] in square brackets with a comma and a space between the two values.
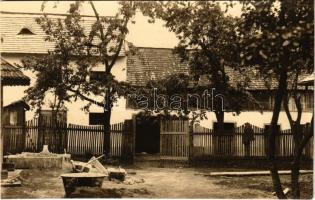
[157, 99]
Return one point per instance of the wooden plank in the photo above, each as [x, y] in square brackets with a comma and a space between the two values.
[174, 158]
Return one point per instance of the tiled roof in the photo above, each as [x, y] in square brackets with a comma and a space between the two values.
[309, 80]
[12, 42]
[145, 64]
[10, 75]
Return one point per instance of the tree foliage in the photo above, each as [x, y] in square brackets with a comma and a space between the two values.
[65, 70]
[78, 49]
[208, 41]
[277, 38]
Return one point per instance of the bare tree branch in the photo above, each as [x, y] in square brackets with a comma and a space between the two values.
[101, 30]
[86, 98]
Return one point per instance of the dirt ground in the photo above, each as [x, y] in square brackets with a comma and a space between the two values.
[148, 182]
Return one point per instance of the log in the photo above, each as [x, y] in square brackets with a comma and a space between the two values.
[252, 173]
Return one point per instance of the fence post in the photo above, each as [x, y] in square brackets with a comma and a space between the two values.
[191, 141]
[40, 133]
[23, 136]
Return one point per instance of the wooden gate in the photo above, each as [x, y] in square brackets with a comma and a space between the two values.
[174, 140]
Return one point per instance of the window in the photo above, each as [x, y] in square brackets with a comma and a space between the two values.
[308, 101]
[131, 103]
[96, 118]
[13, 117]
[25, 31]
[97, 75]
[228, 127]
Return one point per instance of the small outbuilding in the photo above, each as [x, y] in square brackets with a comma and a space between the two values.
[14, 113]
[10, 76]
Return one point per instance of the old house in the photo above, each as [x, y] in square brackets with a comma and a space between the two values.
[21, 36]
[147, 64]
[25, 37]
[156, 63]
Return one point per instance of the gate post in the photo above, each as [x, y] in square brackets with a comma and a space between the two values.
[161, 138]
[40, 137]
[133, 136]
[128, 140]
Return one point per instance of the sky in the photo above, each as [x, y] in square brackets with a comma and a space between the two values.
[141, 34]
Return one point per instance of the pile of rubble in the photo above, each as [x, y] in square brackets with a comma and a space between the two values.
[94, 166]
[9, 175]
[89, 174]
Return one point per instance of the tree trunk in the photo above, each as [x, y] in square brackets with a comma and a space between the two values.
[107, 115]
[295, 173]
[272, 135]
[298, 150]
[295, 166]
[217, 142]
[220, 119]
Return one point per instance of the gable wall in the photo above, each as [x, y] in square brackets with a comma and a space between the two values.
[75, 114]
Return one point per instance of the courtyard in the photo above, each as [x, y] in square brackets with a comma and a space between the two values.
[153, 182]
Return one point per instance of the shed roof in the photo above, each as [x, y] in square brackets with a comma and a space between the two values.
[11, 75]
[18, 103]
[11, 23]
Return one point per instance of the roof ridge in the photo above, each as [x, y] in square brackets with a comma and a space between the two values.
[42, 13]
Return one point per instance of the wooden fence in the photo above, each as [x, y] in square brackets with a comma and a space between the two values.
[13, 139]
[177, 142]
[74, 139]
[207, 145]
[84, 140]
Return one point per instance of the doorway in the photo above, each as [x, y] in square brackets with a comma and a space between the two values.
[147, 135]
